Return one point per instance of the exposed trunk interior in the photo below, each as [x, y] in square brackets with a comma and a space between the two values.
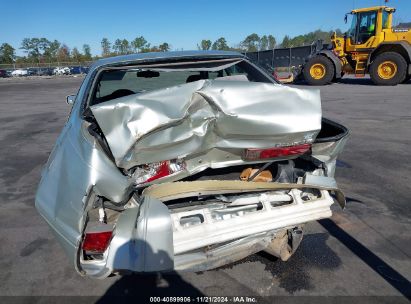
[330, 131]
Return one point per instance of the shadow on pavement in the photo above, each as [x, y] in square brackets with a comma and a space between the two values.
[148, 282]
[357, 81]
[353, 81]
[389, 274]
[143, 286]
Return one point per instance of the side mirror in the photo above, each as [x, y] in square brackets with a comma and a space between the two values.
[70, 99]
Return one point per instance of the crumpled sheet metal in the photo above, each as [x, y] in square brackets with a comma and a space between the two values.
[75, 168]
[171, 191]
[195, 117]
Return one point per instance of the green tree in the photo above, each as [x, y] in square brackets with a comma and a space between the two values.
[154, 48]
[117, 46]
[38, 49]
[220, 44]
[147, 48]
[251, 43]
[204, 45]
[63, 53]
[50, 53]
[106, 47]
[87, 52]
[309, 38]
[286, 42]
[7, 53]
[31, 46]
[263, 43]
[271, 42]
[139, 43]
[164, 47]
[125, 47]
[75, 55]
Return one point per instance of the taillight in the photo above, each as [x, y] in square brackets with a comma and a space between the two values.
[150, 172]
[96, 242]
[163, 169]
[254, 154]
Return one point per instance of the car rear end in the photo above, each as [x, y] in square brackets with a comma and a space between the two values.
[219, 215]
[190, 176]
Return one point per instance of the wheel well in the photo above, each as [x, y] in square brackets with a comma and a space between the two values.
[337, 69]
[397, 48]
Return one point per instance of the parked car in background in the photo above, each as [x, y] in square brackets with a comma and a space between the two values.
[32, 71]
[61, 71]
[187, 161]
[78, 70]
[45, 72]
[19, 73]
[3, 74]
[75, 70]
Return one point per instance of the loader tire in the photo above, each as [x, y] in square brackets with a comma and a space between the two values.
[388, 69]
[319, 70]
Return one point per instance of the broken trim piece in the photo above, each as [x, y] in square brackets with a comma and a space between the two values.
[270, 218]
[170, 191]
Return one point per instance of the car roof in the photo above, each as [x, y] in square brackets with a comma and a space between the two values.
[161, 56]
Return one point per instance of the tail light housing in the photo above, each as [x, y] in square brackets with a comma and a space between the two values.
[162, 169]
[256, 154]
[97, 240]
[151, 172]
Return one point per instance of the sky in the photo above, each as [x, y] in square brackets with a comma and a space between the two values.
[181, 23]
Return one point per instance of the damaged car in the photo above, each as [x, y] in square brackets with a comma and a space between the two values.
[187, 161]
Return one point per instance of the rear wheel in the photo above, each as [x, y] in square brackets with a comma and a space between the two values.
[388, 69]
[319, 70]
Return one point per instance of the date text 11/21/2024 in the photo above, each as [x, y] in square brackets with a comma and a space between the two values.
[205, 299]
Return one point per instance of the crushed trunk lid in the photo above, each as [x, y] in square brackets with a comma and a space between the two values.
[193, 118]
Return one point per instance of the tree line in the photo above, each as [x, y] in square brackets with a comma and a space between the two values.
[251, 43]
[309, 38]
[254, 42]
[42, 50]
[124, 47]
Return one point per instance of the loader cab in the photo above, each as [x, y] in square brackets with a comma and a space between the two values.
[367, 26]
[362, 27]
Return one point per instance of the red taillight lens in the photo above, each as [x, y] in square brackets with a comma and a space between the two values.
[97, 242]
[153, 171]
[162, 170]
[253, 154]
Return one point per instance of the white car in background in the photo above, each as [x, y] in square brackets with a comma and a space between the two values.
[19, 72]
[61, 71]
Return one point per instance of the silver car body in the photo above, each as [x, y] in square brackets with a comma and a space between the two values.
[203, 124]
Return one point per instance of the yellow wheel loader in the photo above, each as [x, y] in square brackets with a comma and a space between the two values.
[371, 46]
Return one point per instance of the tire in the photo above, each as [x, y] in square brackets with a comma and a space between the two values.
[319, 70]
[407, 78]
[388, 69]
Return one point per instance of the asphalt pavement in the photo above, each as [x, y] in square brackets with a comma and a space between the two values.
[363, 251]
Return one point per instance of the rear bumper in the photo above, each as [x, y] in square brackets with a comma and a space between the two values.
[270, 218]
[153, 238]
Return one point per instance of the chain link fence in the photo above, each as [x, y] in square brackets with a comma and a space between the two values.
[44, 65]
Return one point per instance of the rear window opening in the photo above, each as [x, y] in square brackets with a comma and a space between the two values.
[119, 82]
